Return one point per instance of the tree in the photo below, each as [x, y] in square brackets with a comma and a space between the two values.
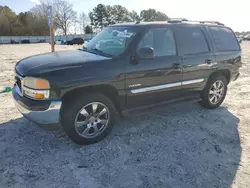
[161, 16]
[83, 20]
[64, 15]
[8, 20]
[102, 15]
[35, 21]
[99, 16]
[153, 15]
[119, 14]
[88, 29]
[39, 21]
[133, 16]
[25, 23]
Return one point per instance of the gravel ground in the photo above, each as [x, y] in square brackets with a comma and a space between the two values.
[178, 146]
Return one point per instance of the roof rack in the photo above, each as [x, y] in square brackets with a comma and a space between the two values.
[181, 20]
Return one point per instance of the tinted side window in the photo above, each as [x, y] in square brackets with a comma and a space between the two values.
[192, 40]
[161, 40]
[224, 39]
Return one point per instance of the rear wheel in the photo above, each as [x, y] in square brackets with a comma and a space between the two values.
[215, 92]
[88, 119]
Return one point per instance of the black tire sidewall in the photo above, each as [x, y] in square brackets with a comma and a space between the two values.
[205, 93]
[71, 108]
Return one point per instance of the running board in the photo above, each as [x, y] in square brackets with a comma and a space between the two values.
[191, 99]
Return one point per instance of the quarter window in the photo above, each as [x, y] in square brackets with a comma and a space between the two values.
[224, 39]
[161, 40]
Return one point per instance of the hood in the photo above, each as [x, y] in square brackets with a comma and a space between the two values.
[54, 61]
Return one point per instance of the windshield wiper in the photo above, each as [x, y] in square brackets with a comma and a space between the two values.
[83, 49]
[95, 51]
[100, 52]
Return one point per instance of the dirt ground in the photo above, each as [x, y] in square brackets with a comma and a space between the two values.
[177, 146]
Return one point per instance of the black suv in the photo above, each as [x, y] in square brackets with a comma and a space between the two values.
[78, 41]
[127, 66]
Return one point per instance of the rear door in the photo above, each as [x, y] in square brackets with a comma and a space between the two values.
[154, 80]
[197, 57]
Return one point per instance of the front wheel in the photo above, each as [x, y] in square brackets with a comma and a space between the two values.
[215, 92]
[88, 119]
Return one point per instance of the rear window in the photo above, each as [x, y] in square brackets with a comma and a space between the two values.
[192, 40]
[224, 39]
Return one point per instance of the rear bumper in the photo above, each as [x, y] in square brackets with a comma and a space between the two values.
[38, 115]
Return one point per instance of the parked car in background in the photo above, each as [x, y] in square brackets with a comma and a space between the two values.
[247, 38]
[41, 41]
[13, 42]
[78, 41]
[25, 41]
[127, 66]
[59, 42]
[239, 39]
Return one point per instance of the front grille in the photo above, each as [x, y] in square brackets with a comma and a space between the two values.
[19, 83]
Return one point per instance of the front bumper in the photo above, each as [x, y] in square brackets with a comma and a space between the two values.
[235, 76]
[40, 115]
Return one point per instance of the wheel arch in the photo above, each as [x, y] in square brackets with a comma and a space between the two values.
[105, 89]
[223, 72]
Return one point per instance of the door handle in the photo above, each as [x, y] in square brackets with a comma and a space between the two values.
[208, 61]
[176, 65]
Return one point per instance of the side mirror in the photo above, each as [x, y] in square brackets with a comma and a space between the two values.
[146, 53]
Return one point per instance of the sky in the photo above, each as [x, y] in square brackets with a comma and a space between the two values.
[235, 14]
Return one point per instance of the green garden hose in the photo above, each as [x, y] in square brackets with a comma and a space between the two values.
[5, 90]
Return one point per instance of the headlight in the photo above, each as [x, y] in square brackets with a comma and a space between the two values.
[36, 83]
[36, 88]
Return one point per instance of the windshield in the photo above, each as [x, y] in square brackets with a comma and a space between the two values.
[112, 41]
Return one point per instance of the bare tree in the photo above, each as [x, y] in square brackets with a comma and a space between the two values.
[64, 15]
[83, 21]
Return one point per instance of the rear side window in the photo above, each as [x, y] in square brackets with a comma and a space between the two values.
[224, 39]
[192, 40]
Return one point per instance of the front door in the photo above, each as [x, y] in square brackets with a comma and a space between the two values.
[158, 79]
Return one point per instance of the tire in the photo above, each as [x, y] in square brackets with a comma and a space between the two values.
[70, 115]
[206, 97]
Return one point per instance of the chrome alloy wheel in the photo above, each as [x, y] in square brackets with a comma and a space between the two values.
[92, 120]
[216, 92]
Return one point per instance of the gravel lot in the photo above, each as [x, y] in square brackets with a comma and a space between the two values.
[178, 146]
